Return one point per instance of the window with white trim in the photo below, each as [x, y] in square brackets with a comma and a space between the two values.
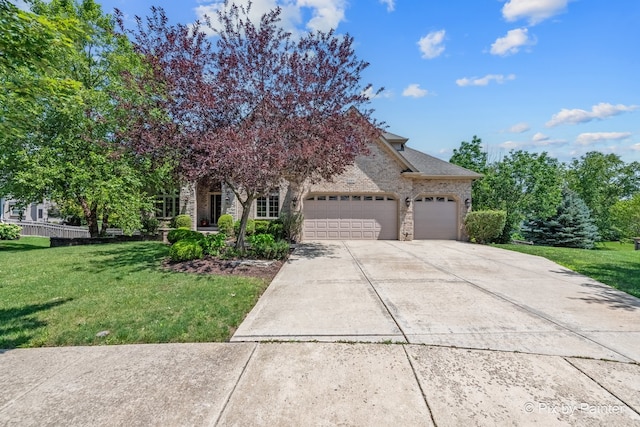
[268, 207]
[167, 205]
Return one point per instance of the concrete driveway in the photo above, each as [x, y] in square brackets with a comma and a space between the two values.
[444, 293]
[511, 340]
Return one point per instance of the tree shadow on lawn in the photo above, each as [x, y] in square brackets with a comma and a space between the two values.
[21, 321]
[11, 246]
[606, 295]
[131, 256]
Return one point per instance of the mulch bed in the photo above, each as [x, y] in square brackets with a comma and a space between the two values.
[237, 267]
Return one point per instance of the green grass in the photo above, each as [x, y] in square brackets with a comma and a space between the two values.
[65, 296]
[615, 264]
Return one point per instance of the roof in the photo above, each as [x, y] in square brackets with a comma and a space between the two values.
[422, 165]
[393, 138]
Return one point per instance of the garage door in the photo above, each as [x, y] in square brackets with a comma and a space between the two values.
[350, 217]
[435, 218]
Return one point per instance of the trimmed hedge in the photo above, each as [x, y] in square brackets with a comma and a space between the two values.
[225, 224]
[186, 250]
[182, 221]
[9, 232]
[183, 233]
[482, 226]
[249, 230]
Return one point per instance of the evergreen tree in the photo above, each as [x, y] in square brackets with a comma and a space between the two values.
[571, 227]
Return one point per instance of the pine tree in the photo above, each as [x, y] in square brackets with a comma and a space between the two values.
[571, 227]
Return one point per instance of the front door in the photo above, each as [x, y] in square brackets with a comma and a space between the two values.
[216, 208]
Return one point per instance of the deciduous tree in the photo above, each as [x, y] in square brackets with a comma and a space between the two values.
[60, 116]
[601, 180]
[257, 108]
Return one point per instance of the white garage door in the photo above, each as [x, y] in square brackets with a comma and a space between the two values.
[350, 217]
[435, 218]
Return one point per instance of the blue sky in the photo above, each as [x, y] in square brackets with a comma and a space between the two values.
[561, 76]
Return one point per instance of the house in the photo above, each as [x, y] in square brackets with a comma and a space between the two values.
[13, 210]
[394, 193]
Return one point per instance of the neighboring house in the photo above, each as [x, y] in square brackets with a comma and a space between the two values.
[393, 193]
[12, 210]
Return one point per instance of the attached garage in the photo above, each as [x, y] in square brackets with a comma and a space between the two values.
[435, 217]
[350, 217]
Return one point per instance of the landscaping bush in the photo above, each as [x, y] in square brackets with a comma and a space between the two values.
[150, 225]
[482, 226]
[183, 233]
[249, 230]
[185, 250]
[261, 226]
[266, 247]
[276, 229]
[225, 224]
[571, 227]
[9, 232]
[182, 221]
[291, 225]
[214, 244]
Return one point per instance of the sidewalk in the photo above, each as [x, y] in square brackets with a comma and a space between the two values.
[293, 384]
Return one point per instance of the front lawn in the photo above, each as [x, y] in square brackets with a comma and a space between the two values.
[613, 263]
[65, 296]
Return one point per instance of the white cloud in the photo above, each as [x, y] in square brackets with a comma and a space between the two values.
[512, 42]
[590, 138]
[415, 91]
[600, 111]
[537, 141]
[519, 128]
[539, 137]
[431, 44]
[635, 147]
[535, 11]
[372, 94]
[325, 14]
[510, 145]
[391, 4]
[484, 81]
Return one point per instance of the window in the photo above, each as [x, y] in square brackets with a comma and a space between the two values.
[268, 207]
[167, 205]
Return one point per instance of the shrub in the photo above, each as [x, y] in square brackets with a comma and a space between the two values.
[9, 232]
[571, 227]
[225, 224]
[185, 250]
[276, 230]
[266, 247]
[214, 244]
[482, 226]
[250, 229]
[150, 225]
[182, 221]
[261, 226]
[184, 233]
[291, 225]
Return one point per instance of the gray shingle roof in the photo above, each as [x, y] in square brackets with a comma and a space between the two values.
[433, 166]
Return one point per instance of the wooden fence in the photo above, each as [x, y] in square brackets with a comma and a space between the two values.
[44, 229]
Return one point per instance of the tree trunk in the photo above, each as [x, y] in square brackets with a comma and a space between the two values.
[246, 209]
[90, 215]
[105, 222]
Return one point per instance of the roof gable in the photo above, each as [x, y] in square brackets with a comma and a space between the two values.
[422, 165]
